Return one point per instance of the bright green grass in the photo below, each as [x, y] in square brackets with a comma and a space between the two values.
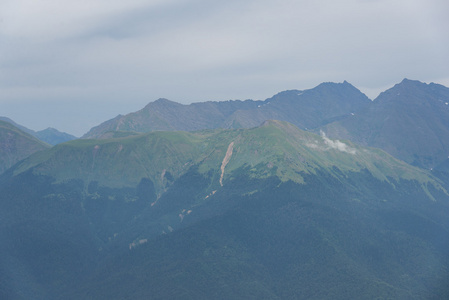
[274, 148]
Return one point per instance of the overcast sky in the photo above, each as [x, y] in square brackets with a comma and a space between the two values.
[72, 64]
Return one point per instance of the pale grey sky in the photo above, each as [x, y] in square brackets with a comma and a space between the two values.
[74, 64]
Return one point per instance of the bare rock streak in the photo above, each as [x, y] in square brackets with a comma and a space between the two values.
[226, 160]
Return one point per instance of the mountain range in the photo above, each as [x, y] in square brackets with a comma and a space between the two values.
[278, 199]
[409, 121]
[306, 109]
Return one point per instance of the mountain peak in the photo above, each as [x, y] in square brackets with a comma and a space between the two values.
[409, 86]
[342, 88]
[162, 102]
[410, 82]
[50, 129]
[53, 136]
[276, 124]
[336, 84]
[399, 90]
[270, 123]
[166, 101]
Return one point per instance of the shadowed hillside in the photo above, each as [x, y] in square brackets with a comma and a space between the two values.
[272, 212]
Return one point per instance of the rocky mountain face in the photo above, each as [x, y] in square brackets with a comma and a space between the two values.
[271, 212]
[16, 145]
[410, 121]
[306, 109]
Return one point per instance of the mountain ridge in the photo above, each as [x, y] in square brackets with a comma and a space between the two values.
[163, 114]
[273, 148]
[409, 121]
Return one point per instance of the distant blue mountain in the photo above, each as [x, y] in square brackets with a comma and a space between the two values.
[306, 109]
[50, 135]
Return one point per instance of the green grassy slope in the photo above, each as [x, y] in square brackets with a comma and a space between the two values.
[274, 148]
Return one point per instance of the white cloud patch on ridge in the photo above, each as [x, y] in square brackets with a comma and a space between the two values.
[331, 144]
[340, 146]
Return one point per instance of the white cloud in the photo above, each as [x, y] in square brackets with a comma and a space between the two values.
[337, 145]
[51, 19]
[328, 144]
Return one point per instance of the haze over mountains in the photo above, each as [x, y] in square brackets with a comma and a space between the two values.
[409, 121]
[274, 199]
[306, 109]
